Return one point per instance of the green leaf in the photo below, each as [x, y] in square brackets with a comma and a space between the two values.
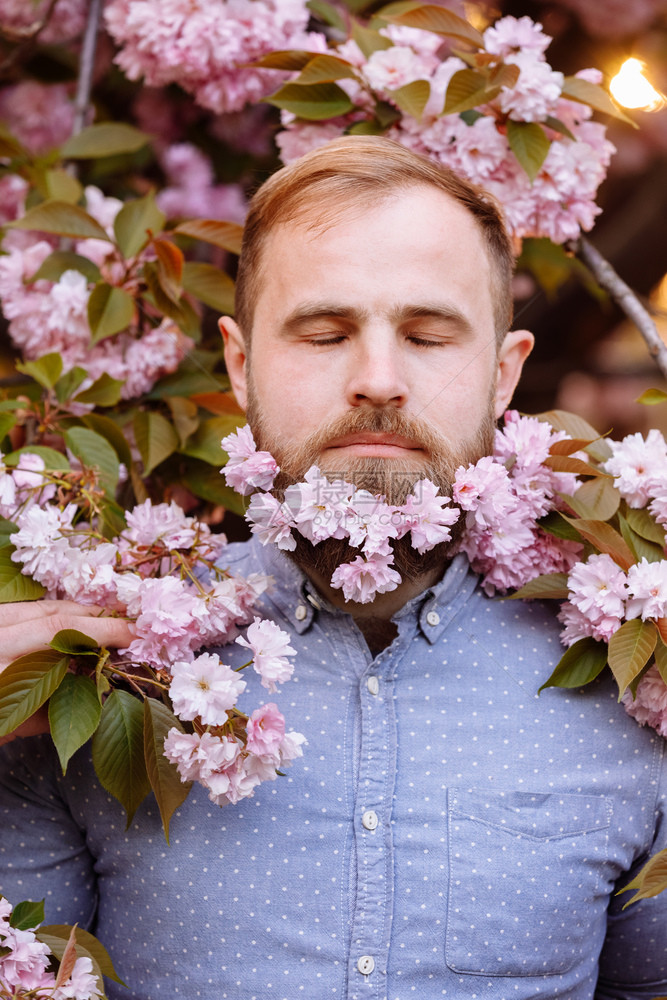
[324, 68]
[315, 102]
[74, 713]
[185, 415]
[59, 261]
[605, 539]
[7, 529]
[558, 126]
[170, 262]
[597, 500]
[170, 792]
[110, 310]
[327, 13]
[652, 397]
[105, 391]
[56, 937]
[577, 427]
[412, 98]
[156, 438]
[466, 89]
[206, 482]
[63, 186]
[369, 40]
[133, 222]
[641, 521]
[27, 915]
[580, 665]
[640, 547]
[110, 430]
[162, 299]
[660, 657]
[7, 421]
[651, 880]
[14, 585]
[555, 524]
[595, 96]
[26, 684]
[227, 235]
[74, 643]
[94, 452]
[210, 285]
[471, 116]
[54, 460]
[630, 649]
[545, 587]
[62, 219]
[369, 127]
[429, 17]
[104, 139]
[46, 370]
[118, 751]
[566, 463]
[530, 144]
[68, 383]
[205, 443]
[290, 60]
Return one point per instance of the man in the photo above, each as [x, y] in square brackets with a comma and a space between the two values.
[447, 833]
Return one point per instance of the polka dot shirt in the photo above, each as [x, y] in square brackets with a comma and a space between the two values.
[447, 833]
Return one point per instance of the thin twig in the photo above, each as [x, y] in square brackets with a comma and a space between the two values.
[628, 300]
[86, 66]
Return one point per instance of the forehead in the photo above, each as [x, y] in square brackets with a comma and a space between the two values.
[406, 242]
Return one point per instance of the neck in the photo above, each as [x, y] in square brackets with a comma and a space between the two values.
[384, 606]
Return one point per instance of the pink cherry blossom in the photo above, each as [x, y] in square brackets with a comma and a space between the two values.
[361, 579]
[428, 516]
[204, 688]
[270, 648]
[637, 463]
[647, 589]
[271, 521]
[266, 731]
[247, 469]
[649, 707]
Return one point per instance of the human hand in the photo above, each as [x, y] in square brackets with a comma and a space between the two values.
[31, 625]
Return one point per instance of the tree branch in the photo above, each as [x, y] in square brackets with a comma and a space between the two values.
[86, 66]
[624, 296]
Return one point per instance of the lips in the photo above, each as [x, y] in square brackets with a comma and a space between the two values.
[370, 443]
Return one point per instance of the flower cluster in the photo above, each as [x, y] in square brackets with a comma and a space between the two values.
[319, 508]
[46, 316]
[161, 573]
[206, 46]
[26, 967]
[560, 201]
[61, 21]
[504, 497]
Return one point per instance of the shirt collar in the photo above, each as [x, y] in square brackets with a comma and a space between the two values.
[299, 601]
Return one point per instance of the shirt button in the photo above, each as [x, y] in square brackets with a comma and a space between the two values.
[370, 820]
[301, 612]
[433, 618]
[366, 964]
[373, 684]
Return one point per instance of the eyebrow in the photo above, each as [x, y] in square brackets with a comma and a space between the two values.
[303, 315]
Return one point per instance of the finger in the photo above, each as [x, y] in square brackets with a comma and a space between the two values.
[13, 614]
[19, 640]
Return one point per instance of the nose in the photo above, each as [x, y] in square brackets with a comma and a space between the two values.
[378, 375]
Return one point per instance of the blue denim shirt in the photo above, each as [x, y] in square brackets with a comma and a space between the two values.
[448, 832]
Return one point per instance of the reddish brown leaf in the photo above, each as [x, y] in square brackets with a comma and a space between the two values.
[68, 960]
[217, 402]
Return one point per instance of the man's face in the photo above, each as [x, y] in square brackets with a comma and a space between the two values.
[373, 344]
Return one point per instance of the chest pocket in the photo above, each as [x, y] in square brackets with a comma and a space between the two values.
[524, 870]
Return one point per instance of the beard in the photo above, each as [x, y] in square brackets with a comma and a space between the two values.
[393, 478]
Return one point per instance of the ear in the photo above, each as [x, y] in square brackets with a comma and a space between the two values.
[235, 358]
[514, 350]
